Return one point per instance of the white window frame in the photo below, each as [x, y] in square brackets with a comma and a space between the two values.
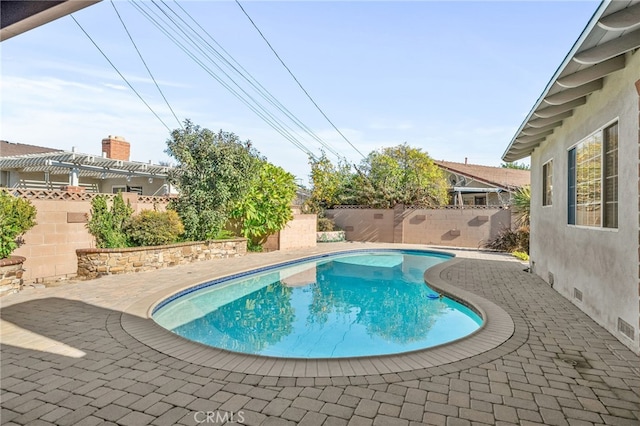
[547, 202]
[600, 131]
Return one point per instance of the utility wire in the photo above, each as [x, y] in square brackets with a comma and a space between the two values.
[260, 110]
[145, 63]
[273, 121]
[119, 73]
[246, 75]
[194, 43]
[296, 80]
[163, 26]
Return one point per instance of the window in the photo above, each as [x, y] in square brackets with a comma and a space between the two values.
[593, 180]
[610, 172]
[547, 183]
[122, 188]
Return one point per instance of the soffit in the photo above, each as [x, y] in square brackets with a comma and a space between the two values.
[600, 50]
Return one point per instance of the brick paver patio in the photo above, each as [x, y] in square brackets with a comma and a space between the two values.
[67, 360]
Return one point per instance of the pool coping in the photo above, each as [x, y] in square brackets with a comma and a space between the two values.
[497, 331]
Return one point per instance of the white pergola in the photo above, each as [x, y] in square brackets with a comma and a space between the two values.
[76, 165]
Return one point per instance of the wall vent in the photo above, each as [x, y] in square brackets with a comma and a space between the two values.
[378, 216]
[577, 294]
[348, 228]
[626, 328]
[551, 279]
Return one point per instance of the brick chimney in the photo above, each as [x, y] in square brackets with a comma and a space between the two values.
[116, 148]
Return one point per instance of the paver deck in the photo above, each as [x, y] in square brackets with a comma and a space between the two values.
[66, 359]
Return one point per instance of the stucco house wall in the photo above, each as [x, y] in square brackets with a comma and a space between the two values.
[600, 263]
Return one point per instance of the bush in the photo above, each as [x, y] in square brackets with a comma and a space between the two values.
[326, 225]
[510, 241]
[107, 226]
[153, 228]
[17, 216]
[521, 255]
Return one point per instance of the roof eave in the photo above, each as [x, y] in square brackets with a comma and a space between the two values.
[593, 22]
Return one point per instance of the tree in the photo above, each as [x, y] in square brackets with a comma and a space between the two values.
[402, 175]
[330, 183]
[266, 207]
[515, 165]
[214, 172]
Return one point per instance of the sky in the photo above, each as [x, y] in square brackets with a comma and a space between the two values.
[455, 79]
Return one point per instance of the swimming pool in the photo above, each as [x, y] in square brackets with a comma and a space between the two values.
[333, 306]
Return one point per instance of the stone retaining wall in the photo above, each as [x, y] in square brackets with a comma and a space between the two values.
[11, 275]
[93, 263]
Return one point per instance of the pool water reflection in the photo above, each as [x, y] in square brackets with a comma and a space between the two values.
[341, 306]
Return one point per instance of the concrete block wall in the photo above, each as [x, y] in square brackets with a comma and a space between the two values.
[467, 227]
[50, 246]
[370, 225]
[455, 227]
[299, 233]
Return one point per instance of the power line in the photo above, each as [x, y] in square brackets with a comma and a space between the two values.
[251, 80]
[166, 27]
[163, 26]
[296, 80]
[145, 63]
[119, 73]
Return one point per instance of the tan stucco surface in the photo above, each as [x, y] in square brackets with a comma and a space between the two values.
[601, 263]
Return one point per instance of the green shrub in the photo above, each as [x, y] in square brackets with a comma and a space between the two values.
[326, 225]
[107, 225]
[153, 228]
[521, 255]
[17, 216]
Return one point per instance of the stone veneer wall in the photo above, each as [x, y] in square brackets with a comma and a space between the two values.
[93, 263]
[11, 275]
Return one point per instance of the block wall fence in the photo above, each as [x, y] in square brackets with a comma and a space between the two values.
[455, 227]
[50, 247]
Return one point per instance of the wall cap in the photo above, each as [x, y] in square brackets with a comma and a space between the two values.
[12, 260]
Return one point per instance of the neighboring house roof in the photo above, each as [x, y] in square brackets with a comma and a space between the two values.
[9, 149]
[496, 176]
[600, 50]
[60, 162]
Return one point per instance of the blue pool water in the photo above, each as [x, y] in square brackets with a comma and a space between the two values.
[345, 305]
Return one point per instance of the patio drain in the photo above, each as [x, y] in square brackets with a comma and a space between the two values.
[573, 361]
